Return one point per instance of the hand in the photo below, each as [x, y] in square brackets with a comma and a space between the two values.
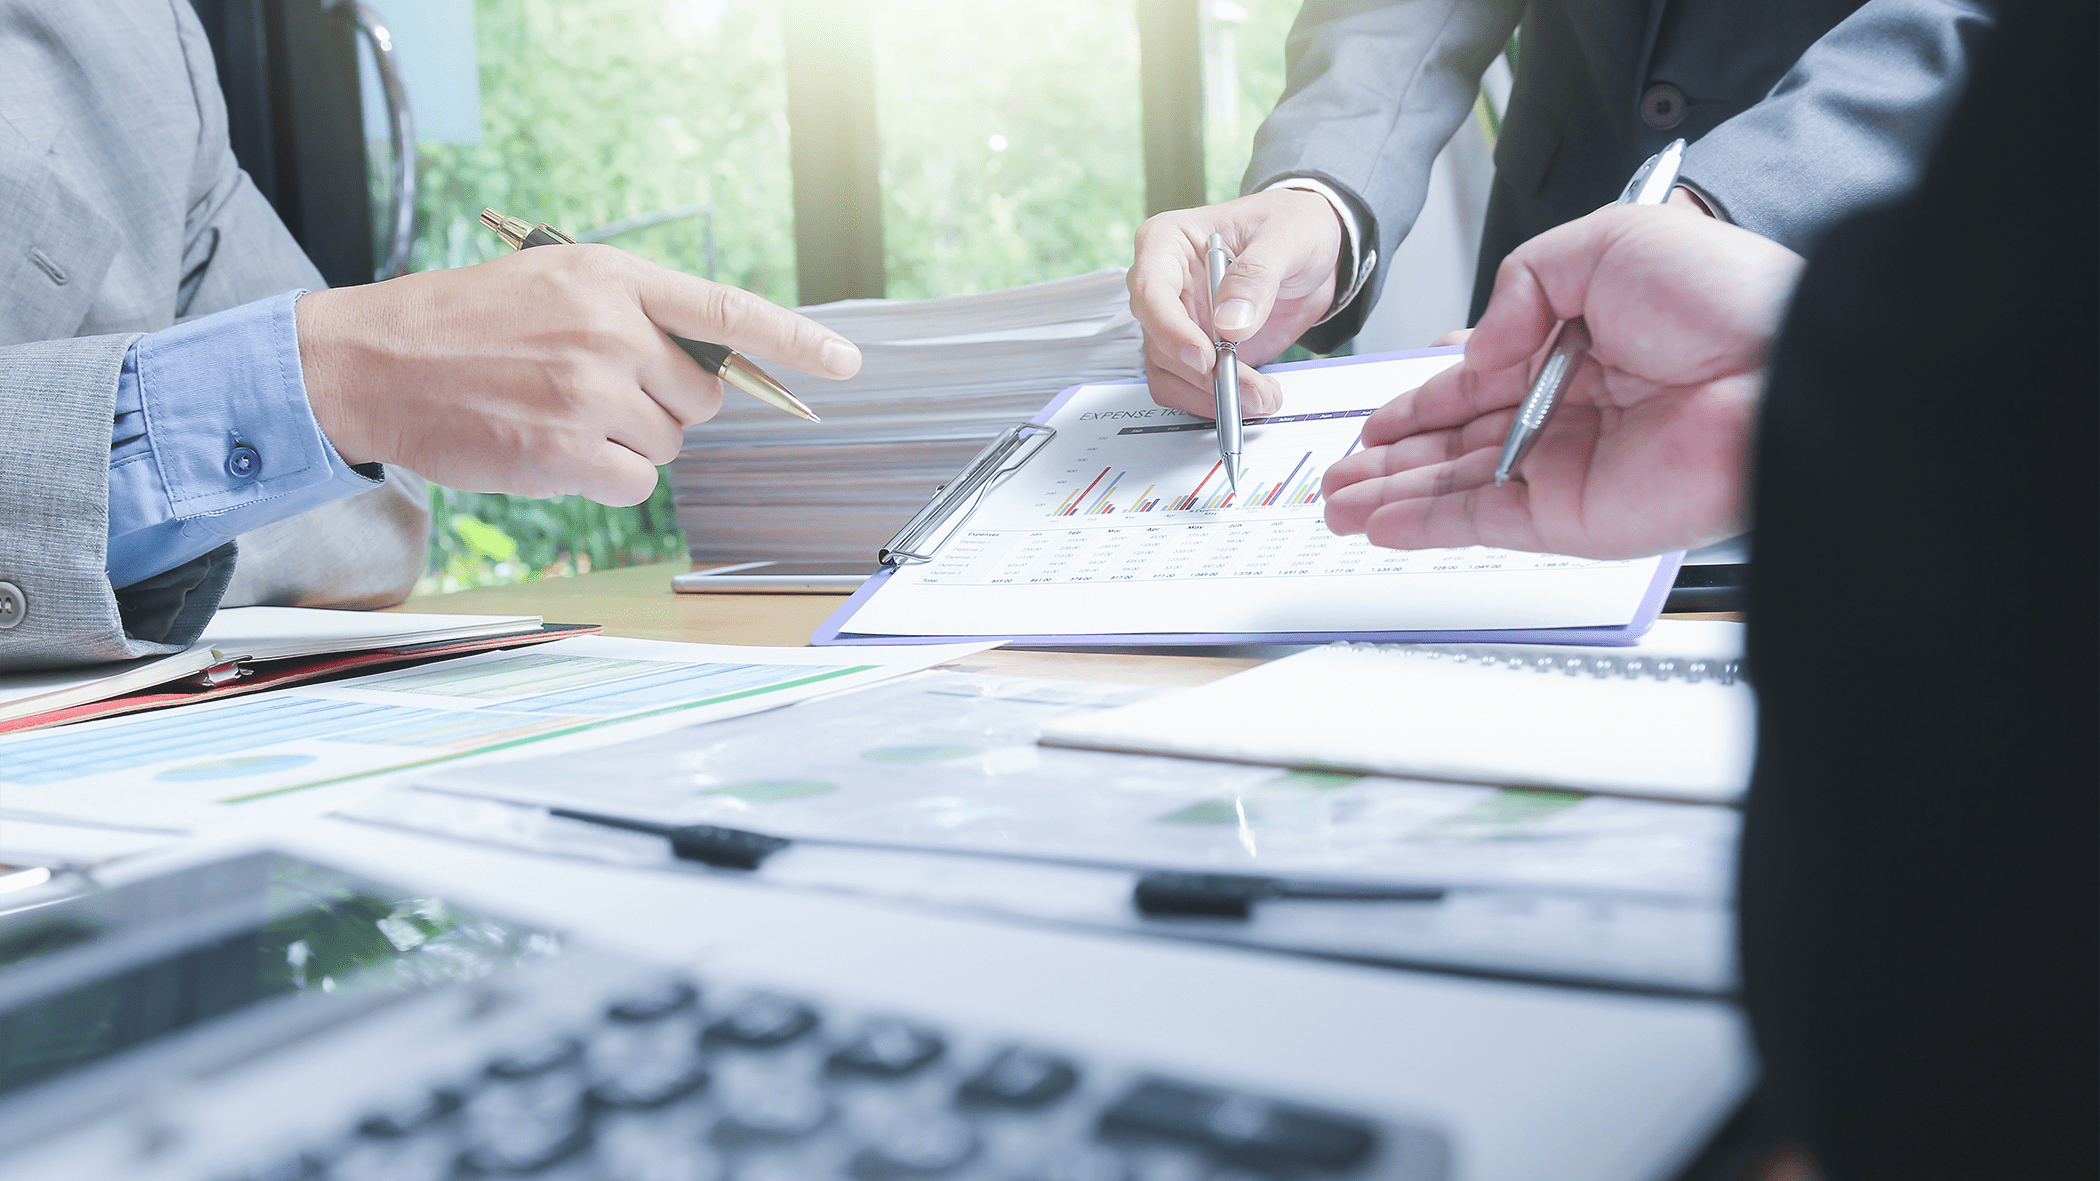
[1650, 449]
[544, 372]
[1285, 244]
[1680, 198]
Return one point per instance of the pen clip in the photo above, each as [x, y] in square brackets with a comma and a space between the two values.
[1215, 262]
[1652, 181]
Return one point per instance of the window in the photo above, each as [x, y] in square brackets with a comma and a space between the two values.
[1012, 140]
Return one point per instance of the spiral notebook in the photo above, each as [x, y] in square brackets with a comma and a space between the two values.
[1106, 520]
[1671, 718]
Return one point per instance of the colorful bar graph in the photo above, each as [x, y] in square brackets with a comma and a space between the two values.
[1071, 504]
[1298, 488]
[1285, 482]
[1101, 504]
[1189, 501]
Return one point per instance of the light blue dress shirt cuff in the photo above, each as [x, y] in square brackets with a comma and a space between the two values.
[213, 437]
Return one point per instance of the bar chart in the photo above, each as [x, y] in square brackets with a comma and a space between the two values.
[1110, 490]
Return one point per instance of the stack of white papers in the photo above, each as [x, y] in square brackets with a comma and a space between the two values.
[939, 378]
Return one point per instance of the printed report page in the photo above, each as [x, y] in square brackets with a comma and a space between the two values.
[1123, 523]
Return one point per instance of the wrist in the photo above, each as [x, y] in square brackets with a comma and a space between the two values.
[1354, 258]
[1329, 245]
[324, 364]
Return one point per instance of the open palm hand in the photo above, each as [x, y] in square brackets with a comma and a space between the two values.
[1649, 451]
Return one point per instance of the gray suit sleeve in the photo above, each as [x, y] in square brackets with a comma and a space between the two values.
[1373, 90]
[56, 501]
[1849, 126]
[364, 551]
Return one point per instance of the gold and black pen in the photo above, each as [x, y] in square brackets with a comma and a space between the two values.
[721, 360]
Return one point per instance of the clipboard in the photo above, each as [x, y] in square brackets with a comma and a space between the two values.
[953, 504]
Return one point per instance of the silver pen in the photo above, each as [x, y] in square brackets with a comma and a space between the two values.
[1225, 375]
[1651, 185]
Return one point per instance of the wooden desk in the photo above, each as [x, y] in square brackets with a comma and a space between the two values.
[638, 602]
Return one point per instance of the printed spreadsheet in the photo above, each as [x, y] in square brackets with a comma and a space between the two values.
[1124, 523]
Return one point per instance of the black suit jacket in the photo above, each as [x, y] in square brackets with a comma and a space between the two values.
[1920, 886]
[1800, 111]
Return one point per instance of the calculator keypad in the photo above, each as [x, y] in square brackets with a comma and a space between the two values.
[674, 1082]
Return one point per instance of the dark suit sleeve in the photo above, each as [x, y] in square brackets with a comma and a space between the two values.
[1848, 127]
[1374, 88]
[1921, 899]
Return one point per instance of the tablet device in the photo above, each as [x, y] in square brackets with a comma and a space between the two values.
[773, 578]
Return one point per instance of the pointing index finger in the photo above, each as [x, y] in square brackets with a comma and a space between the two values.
[1159, 283]
[694, 308]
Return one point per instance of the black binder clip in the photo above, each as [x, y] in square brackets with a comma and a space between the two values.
[1174, 894]
[708, 844]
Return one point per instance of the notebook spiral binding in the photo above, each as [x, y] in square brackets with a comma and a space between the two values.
[1661, 668]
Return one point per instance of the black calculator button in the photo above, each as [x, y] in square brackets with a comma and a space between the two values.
[410, 1158]
[416, 1111]
[1239, 1126]
[923, 1144]
[780, 1110]
[293, 1168]
[518, 1149]
[526, 1124]
[1020, 1077]
[652, 1152]
[633, 1073]
[764, 1020]
[537, 1058]
[889, 1048]
[1080, 1162]
[655, 1004]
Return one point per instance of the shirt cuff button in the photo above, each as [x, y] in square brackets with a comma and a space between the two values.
[13, 607]
[243, 462]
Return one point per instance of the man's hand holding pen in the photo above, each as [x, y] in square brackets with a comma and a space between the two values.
[1285, 244]
[1651, 450]
[543, 373]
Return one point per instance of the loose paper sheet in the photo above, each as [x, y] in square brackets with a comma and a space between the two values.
[187, 767]
[948, 761]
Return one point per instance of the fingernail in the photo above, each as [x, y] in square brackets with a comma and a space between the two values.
[840, 357]
[1195, 358]
[1233, 315]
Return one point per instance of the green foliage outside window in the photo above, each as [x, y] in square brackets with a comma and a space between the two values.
[487, 539]
[1011, 154]
[1012, 142]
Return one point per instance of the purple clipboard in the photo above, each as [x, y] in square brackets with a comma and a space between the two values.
[830, 633]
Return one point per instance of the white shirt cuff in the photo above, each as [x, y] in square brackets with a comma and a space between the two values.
[1356, 263]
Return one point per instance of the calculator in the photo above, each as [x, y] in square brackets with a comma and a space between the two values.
[267, 1018]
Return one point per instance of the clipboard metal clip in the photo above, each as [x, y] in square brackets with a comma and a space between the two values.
[1015, 446]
